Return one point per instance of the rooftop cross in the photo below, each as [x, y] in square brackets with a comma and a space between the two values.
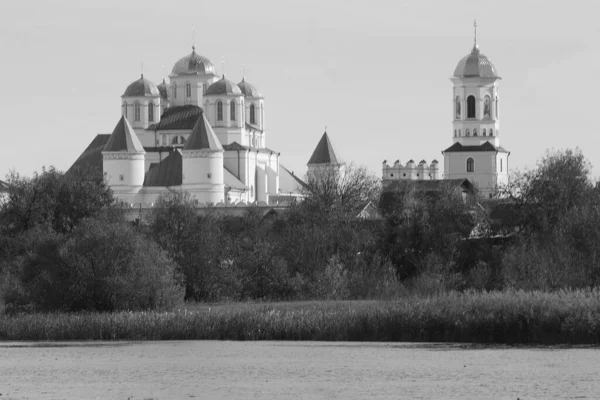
[475, 27]
[193, 37]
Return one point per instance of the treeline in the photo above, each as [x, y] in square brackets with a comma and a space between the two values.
[65, 244]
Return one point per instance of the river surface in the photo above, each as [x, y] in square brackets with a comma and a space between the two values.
[294, 370]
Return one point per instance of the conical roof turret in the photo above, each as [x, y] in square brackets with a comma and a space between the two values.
[203, 137]
[123, 138]
[323, 153]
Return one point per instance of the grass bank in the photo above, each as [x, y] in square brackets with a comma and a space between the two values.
[564, 317]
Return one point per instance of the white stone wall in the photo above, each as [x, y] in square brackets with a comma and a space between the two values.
[410, 171]
[143, 122]
[197, 89]
[486, 173]
[463, 127]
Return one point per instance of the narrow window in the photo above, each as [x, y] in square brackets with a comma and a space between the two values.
[470, 165]
[151, 112]
[467, 132]
[471, 107]
[219, 111]
[175, 140]
[491, 132]
[483, 131]
[252, 116]
[459, 133]
[500, 165]
[457, 107]
[262, 117]
[136, 111]
[204, 87]
[188, 90]
[232, 110]
[174, 90]
[455, 133]
[182, 140]
[474, 131]
[125, 109]
[486, 107]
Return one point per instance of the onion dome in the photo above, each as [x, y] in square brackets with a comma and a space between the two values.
[140, 88]
[193, 64]
[475, 65]
[249, 90]
[162, 89]
[223, 87]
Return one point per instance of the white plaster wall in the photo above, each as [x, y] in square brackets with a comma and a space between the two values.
[484, 175]
[206, 169]
[143, 101]
[131, 170]
[197, 84]
[478, 87]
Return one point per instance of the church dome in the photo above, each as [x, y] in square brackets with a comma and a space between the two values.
[162, 89]
[193, 64]
[141, 88]
[223, 87]
[249, 90]
[475, 65]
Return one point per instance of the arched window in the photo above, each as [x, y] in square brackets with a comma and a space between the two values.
[136, 111]
[219, 111]
[232, 110]
[496, 116]
[188, 90]
[175, 140]
[459, 133]
[500, 165]
[474, 131]
[182, 140]
[125, 109]
[467, 132]
[491, 132]
[204, 87]
[483, 131]
[252, 115]
[174, 90]
[151, 112]
[457, 107]
[455, 133]
[470, 165]
[471, 107]
[487, 107]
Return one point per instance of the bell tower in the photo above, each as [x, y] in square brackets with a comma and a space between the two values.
[476, 153]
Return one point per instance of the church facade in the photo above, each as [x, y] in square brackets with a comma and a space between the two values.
[475, 153]
[198, 133]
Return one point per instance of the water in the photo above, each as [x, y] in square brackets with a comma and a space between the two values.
[294, 370]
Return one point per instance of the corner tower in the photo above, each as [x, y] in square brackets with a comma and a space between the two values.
[476, 153]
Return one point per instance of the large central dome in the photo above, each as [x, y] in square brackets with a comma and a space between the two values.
[475, 65]
[193, 64]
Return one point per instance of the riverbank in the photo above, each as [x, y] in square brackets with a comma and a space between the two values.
[510, 317]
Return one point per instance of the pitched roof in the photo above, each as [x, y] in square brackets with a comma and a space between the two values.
[181, 117]
[168, 172]
[3, 186]
[124, 138]
[294, 177]
[236, 146]
[370, 212]
[203, 137]
[487, 146]
[91, 158]
[323, 153]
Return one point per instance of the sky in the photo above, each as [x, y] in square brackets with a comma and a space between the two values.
[375, 73]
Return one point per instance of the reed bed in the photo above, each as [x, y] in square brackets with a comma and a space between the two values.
[510, 317]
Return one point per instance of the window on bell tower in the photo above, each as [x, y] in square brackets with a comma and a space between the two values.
[151, 112]
[136, 111]
[232, 111]
[174, 90]
[188, 90]
[471, 107]
[252, 114]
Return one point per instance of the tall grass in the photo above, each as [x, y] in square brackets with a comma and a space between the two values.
[569, 317]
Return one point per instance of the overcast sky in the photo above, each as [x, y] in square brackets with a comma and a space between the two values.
[376, 73]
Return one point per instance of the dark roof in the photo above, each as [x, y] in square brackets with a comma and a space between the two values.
[181, 117]
[323, 153]
[166, 173]
[249, 90]
[141, 88]
[3, 185]
[391, 193]
[124, 138]
[203, 137]
[487, 146]
[91, 158]
[223, 87]
[253, 127]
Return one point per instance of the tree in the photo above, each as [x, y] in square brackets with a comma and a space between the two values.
[53, 200]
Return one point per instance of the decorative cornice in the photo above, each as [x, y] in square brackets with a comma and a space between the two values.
[199, 153]
[122, 155]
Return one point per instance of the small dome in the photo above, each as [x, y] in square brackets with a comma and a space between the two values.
[249, 90]
[475, 64]
[140, 88]
[223, 87]
[162, 89]
[193, 64]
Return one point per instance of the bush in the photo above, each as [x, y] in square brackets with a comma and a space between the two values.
[101, 266]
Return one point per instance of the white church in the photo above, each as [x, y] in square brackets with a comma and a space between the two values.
[198, 133]
[476, 153]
